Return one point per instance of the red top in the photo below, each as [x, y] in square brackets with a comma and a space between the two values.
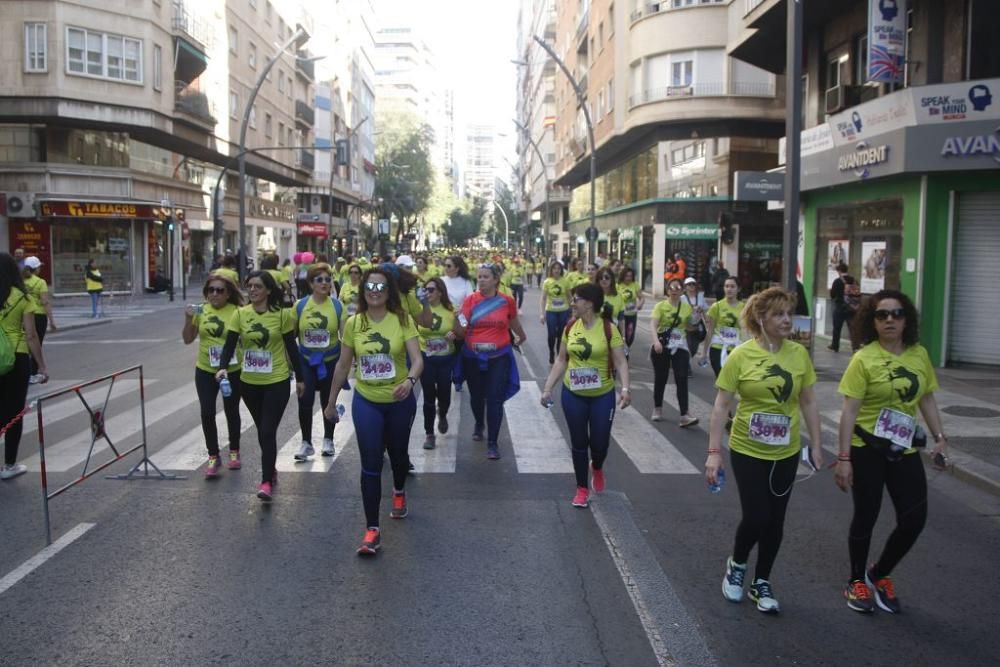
[493, 328]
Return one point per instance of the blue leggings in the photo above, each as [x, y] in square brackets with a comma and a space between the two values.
[486, 392]
[381, 427]
[555, 322]
[589, 419]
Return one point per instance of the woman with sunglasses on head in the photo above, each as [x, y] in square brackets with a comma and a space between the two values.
[207, 322]
[437, 344]
[350, 289]
[632, 302]
[318, 320]
[887, 381]
[380, 337]
[265, 331]
[774, 378]
[488, 364]
[591, 353]
[670, 320]
[554, 305]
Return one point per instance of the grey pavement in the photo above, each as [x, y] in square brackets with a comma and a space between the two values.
[75, 312]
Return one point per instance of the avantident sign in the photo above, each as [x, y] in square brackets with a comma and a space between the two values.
[863, 157]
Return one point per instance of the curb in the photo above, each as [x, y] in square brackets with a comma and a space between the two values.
[984, 476]
[79, 325]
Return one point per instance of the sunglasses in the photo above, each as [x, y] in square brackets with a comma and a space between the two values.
[376, 287]
[322, 279]
[605, 278]
[251, 286]
[896, 313]
[430, 288]
[216, 290]
[675, 287]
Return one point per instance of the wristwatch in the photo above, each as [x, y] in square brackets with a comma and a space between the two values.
[413, 381]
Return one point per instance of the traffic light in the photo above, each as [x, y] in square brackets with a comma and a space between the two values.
[726, 232]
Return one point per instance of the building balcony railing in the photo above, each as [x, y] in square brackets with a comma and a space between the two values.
[665, 5]
[186, 24]
[305, 68]
[705, 89]
[307, 160]
[304, 114]
[195, 103]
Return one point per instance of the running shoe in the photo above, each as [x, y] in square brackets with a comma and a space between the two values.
[477, 434]
[372, 542]
[687, 420]
[582, 497]
[657, 415]
[305, 451]
[398, 510]
[859, 597]
[13, 470]
[234, 459]
[265, 492]
[430, 442]
[597, 479]
[732, 583]
[492, 452]
[34, 379]
[885, 594]
[328, 448]
[212, 469]
[443, 424]
[760, 592]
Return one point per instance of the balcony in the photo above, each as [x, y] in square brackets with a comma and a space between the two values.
[194, 104]
[305, 68]
[307, 161]
[305, 116]
[582, 25]
[705, 89]
[192, 39]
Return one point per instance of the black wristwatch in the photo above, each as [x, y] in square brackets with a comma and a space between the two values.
[413, 381]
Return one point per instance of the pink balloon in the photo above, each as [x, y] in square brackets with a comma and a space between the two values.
[308, 257]
[297, 258]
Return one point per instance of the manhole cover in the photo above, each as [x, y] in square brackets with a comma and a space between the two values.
[971, 411]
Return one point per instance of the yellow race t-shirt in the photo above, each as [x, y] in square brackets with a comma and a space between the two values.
[319, 328]
[37, 287]
[766, 425]
[516, 274]
[889, 387]
[380, 351]
[261, 336]
[12, 321]
[574, 278]
[211, 327]
[617, 305]
[349, 295]
[556, 294]
[726, 320]
[432, 339]
[629, 293]
[666, 316]
[588, 355]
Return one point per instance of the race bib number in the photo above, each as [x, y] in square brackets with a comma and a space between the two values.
[676, 340]
[377, 367]
[558, 303]
[485, 347]
[316, 339]
[896, 426]
[436, 347]
[215, 356]
[257, 361]
[768, 429]
[581, 379]
[630, 308]
[730, 336]
[352, 308]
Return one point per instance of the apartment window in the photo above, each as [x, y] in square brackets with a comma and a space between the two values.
[681, 73]
[600, 35]
[611, 95]
[281, 133]
[281, 27]
[611, 20]
[157, 67]
[291, 85]
[105, 56]
[35, 48]
[833, 73]
[268, 125]
[600, 104]
[281, 81]
[234, 104]
[252, 56]
[234, 40]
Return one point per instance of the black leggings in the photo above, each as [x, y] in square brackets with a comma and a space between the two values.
[13, 394]
[308, 398]
[208, 389]
[630, 322]
[435, 382]
[680, 360]
[715, 357]
[518, 291]
[266, 403]
[907, 487]
[765, 487]
[41, 326]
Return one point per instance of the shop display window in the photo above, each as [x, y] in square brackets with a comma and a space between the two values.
[108, 242]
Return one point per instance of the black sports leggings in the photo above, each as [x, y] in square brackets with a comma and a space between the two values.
[760, 482]
[518, 291]
[13, 393]
[680, 360]
[907, 487]
[41, 326]
[208, 390]
[715, 357]
[266, 403]
[435, 382]
[308, 398]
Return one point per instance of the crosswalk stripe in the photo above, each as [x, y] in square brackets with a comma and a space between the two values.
[697, 406]
[539, 445]
[121, 428]
[343, 435]
[443, 458]
[61, 408]
[648, 449]
[188, 452]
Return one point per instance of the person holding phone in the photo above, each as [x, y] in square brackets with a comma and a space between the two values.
[887, 381]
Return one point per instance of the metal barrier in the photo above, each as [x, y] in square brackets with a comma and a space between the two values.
[97, 432]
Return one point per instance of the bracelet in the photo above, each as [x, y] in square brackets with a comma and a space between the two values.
[844, 457]
[626, 389]
[713, 450]
[938, 437]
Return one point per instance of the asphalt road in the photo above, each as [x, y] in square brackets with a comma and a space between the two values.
[493, 565]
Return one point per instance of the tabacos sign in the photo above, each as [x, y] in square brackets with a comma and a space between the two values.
[863, 157]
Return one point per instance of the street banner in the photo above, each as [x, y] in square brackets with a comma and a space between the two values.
[874, 258]
[886, 40]
[839, 251]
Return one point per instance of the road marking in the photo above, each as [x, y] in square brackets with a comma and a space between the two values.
[697, 406]
[673, 634]
[188, 452]
[36, 561]
[648, 449]
[539, 445]
[443, 458]
[116, 341]
[343, 434]
[532, 374]
[63, 407]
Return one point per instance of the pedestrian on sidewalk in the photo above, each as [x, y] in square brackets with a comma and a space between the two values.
[592, 352]
[841, 313]
[95, 285]
[670, 320]
[39, 291]
[887, 381]
[437, 345]
[206, 321]
[774, 378]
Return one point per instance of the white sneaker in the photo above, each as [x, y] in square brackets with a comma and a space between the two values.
[760, 592]
[327, 446]
[9, 471]
[34, 379]
[305, 451]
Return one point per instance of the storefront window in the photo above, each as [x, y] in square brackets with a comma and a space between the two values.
[108, 242]
[156, 252]
[868, 237]
[760, 265]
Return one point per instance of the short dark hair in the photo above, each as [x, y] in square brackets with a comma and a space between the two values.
[274, 296]
[866, 317]
[842, 268]
[593, 293]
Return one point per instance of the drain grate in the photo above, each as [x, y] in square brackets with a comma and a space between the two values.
[971, 411]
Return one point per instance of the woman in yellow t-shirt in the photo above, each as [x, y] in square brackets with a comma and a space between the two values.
[207, 322]
[381, 337]
[554, 305]
[722, 326]
[670, 320]
[265, 331]
[350, 290]
[632, 302]
[39, 291]
[605, 279]
[591, 353]
[437, 344]
[887, 381]
[774, 378]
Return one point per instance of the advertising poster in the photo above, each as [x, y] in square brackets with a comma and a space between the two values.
[33, 238]
[886, 40]
[873, 262]
[839, 250]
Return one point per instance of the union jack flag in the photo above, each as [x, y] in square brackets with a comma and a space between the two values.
[884, 66]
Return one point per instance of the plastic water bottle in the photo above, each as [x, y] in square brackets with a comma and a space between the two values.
[341, 410]
[702, 363]
[720, 481]
[226, 388]
[549, 403]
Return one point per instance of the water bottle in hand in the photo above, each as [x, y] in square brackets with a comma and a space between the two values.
[226, 388]
[341, 409]
[720, 481]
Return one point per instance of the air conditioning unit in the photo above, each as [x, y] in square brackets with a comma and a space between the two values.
[20, 205]
[834, 99]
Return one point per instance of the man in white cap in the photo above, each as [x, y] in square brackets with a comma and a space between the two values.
[38, 289]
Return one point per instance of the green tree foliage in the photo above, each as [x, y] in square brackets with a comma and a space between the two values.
[404, 174]
[466, 224]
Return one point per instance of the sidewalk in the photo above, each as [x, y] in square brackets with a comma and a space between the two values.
[75, 312]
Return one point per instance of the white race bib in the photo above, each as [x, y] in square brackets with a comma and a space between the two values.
[729, 336]
[352, 308]
[630, 308]
[770, 429]
[581, 379]
[677, 340]
[377, 367]
[896, 426]
[215, 356]
[257, 361]
[558, 303]
[436, 347]
[316, 339]
[484, 347]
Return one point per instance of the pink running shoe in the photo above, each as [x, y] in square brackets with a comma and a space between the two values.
[581, 497]
[212, 469]
[597, 479]
[234, 459]
[265, 492]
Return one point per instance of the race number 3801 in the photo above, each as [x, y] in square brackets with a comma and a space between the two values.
[769, 429]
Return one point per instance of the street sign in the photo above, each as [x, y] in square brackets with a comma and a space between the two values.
[592, 233]
[758, 186]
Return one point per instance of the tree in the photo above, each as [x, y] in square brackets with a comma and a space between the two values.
[404, 175]
[465, 224]
[441, 204]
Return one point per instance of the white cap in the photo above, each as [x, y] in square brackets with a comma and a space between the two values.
[405, 260]
[32, 262]
[690, 281]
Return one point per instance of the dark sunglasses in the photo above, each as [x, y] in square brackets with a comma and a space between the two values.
[216, 290]
[896, 313]
[430, 288]
[376, 287]
[322, 279]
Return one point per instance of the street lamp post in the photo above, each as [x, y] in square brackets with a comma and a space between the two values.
[506, 226]
[793, 129]
[581, 98]
[548, 184]
[516, 195]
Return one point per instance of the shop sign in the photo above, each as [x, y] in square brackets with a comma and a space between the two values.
[883, 114]
[108, 209]
[981, 144]
[33, 238]
[313, 217]
[763, 246]
[758, 186]
[969, 100]
[263, 208]
[863, 157]
[886, 40]
[693, 231]
[317, 229]
[814, 140]
[117, 244]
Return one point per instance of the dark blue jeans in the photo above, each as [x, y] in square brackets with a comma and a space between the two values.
[486, 392]
[308, 398]
[381, 427]
[554, 325]
[436, 384]
[518, 291]
[589, 419]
